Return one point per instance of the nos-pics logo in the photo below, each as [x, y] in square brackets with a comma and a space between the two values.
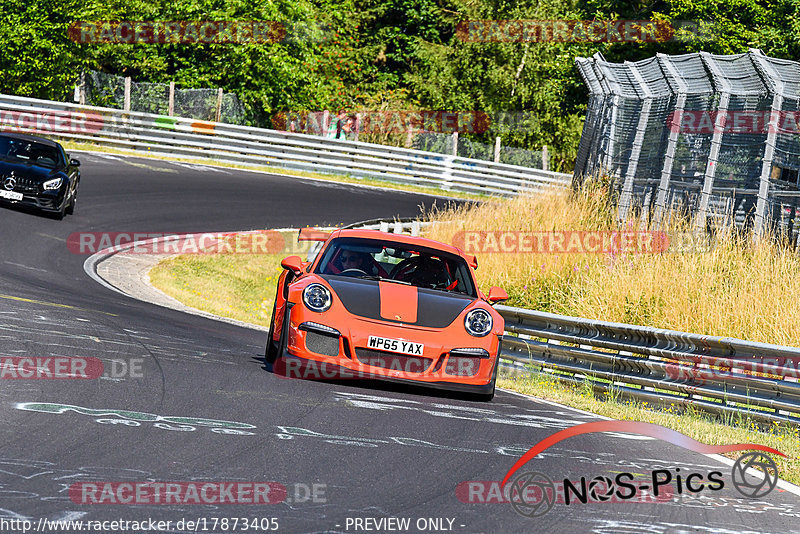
[533, 494]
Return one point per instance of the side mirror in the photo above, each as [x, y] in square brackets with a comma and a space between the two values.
[293, 263]
[497, 294]
[74, 162]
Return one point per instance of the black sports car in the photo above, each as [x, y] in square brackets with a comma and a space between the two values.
[37, 172]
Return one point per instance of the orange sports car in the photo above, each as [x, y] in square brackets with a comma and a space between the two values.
[387, 306]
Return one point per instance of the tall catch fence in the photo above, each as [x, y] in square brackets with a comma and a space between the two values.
[713, 136]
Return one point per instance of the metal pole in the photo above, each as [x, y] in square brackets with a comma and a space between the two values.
[775, 84]
[171, 105]
[669, 157]
[127, 103]
[626, 199]
[219, 105]
[716, 138]
[497, 149]
[545, 158]
[455, 143]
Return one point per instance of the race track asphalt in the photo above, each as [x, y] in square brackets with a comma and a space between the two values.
[345, 452]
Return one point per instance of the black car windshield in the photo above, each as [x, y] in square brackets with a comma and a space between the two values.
[397, 262]
[24, 151]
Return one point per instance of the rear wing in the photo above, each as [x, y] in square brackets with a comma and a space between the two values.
[312, 234]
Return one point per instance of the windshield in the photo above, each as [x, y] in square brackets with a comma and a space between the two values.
[397, 262]
[23, 151]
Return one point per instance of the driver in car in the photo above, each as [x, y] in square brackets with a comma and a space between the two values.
[349, 259]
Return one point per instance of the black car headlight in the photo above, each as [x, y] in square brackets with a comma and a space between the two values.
[51, 185]
[317, 297]
[478, 322]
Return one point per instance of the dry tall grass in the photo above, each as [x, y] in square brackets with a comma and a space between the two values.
[736, 288]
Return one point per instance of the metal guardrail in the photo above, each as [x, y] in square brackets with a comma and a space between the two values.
[720, 375]
[187, 138]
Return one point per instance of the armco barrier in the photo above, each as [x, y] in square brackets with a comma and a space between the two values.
[714, 374]
[187, 138]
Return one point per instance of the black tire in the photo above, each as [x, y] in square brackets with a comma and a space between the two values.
[59, 215]
[271, 352]
[71, 207]
[486, 397]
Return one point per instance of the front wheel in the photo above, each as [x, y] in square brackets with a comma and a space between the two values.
[71, 207]
[271, 351]
[486, 397]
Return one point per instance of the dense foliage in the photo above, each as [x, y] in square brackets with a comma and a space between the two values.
[378, 54]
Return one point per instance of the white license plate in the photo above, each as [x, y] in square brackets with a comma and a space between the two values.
[395, 345]
[10, 195]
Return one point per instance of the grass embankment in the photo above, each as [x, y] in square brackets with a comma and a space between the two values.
[734, 288]
[239, 286]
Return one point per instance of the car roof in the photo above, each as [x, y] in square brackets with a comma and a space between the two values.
[30, 138]
[401, 238]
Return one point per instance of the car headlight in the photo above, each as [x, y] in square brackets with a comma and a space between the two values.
[478, 322]
[317, 297]
[55, 183]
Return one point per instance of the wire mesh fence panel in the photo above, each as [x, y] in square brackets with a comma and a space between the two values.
[442, 143]
[108, 90]
[521, 156]
[104, 90]
[716, 136]
[150, 98]
[196, 103]
[468, 148]
[433, 142]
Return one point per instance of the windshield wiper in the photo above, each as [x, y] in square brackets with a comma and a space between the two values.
[383, 279]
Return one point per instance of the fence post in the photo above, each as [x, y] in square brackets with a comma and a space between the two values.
[171, 105]
[545, 158]
[455, 143]
[672, 142]
[716, 139]
[127, 104]
[497, 150]
[326, 119]
[219, 106]
[777, 87]
[626, 198]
